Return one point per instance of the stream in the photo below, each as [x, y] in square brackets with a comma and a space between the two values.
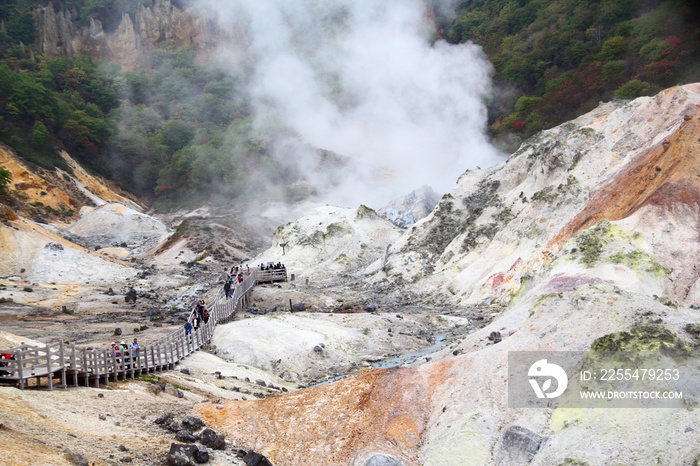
[440, 341]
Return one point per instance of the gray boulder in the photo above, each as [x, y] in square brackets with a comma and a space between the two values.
[211, 439]
[185, 436]
[256, 459]
[192, 423]
[187, 455]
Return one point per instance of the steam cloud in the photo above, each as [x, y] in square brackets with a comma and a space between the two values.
[362, 79]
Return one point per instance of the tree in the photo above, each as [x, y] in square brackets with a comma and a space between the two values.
[614, 48]
[634, 88]
[5, 178]
[40, 135]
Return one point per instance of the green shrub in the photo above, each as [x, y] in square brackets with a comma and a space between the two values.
[5, 178]
[634, 88]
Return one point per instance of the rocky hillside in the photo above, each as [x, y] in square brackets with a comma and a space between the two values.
[632, 166]
[628, 167]
[587, 235]
[62, 33]
[585, 238]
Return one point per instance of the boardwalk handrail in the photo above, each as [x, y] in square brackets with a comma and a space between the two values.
[60, 360]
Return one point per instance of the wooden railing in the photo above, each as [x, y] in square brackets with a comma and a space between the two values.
[81, 364]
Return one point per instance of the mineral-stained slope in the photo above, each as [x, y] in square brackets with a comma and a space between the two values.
[587, 235]
[635, 163]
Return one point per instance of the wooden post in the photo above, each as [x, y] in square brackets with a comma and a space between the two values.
[105, 358]
[63, 364]
[96, 367]
[73, 364]
[115, 365]
[85, 368]
[48, 367]
[20, 374]
[160, 363]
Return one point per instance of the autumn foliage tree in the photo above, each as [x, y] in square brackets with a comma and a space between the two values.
[571, 54]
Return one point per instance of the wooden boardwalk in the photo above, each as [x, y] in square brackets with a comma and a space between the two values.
[73, 365]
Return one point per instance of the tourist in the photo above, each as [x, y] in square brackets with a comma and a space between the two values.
[227, 288]
[188, 328]
[117, 354]
[3, 358]
[125, 352]
[199, 307]
[135, 348]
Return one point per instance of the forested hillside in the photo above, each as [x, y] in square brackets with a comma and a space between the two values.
[183, 129]
[557, 59]
[159, 132]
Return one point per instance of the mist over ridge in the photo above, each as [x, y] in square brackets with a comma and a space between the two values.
[362, 80]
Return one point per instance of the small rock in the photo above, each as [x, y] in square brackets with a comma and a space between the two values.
[154, 388]
[201, 454]
[117, 331]
[130, 296]
[495, 337]
[174, 427]
[260, 382]
[121, 448]
[164, 419]
[185, 436]
[318, 349]
[185, 371]
[102, 417]
[192, 423]
[75, 458]
[181, 455]
[256, 459]
[211, 439]
[384, 460]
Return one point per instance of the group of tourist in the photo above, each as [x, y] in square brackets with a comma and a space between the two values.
[277, 266]
[233, 277]
[122, 351]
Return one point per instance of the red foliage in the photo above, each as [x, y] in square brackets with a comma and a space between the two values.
[162, 189]
[518, 125]
[573, 92]
[674, 42]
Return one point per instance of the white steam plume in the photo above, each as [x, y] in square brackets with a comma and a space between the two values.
[362, 79]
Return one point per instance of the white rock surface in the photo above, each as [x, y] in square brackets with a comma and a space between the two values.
[408, 209]
[331, 240]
